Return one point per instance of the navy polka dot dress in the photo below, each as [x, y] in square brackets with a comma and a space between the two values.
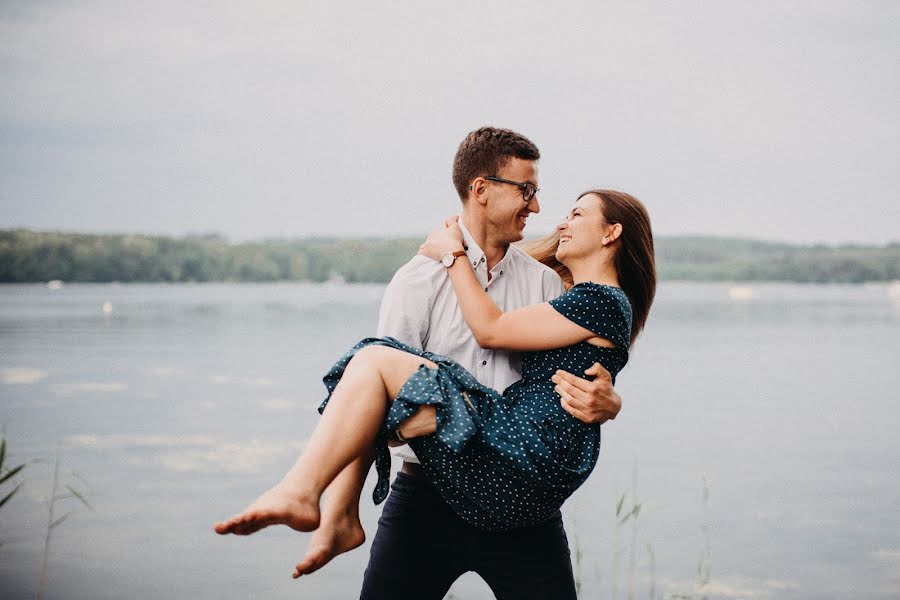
[511, 460]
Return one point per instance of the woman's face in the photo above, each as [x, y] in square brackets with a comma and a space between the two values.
[582, 232]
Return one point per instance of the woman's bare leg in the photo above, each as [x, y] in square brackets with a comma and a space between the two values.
[341, 529]
[346, 431]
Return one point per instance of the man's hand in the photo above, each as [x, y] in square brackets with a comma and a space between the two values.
[422, 422]
[588, 401]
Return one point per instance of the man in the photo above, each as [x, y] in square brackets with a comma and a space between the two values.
[421, 546]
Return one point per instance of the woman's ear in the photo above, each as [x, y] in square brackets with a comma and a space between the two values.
[615, 230]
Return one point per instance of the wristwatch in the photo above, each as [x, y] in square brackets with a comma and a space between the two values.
[449, 258]
[395, 436]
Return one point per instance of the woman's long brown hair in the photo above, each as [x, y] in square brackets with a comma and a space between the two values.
[635, 261]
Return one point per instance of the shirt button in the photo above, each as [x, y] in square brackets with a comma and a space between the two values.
[484, 362]
[485, 289]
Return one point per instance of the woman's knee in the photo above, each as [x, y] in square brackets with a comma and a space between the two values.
[375, 356]
[388, 358]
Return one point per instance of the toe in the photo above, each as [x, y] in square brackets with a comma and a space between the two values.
[223, 527]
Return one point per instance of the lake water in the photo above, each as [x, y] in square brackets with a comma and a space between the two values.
[177, 404]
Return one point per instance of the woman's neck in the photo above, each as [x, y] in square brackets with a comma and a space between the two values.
[596, 271]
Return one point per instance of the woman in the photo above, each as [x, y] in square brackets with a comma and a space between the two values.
[499, 461]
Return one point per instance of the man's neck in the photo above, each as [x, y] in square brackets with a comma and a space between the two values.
[493, 251]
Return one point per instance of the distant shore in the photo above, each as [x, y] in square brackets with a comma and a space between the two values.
[31, 256]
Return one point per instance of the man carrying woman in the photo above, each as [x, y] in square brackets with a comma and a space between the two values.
[480, 501]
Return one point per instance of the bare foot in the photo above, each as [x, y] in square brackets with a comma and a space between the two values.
[278, 506]
[329, 540]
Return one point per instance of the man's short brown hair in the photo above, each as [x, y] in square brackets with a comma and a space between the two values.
[485, 151]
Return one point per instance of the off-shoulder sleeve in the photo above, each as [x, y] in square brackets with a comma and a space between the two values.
[603, 309]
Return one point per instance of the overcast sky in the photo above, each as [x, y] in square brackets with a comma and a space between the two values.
[773, 120]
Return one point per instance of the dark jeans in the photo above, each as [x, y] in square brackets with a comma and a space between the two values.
[422, 547]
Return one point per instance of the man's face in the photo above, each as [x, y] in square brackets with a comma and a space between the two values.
[507, 211]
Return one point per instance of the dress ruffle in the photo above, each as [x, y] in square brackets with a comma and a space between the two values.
[456, 395]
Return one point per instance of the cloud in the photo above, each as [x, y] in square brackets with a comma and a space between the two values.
[166, 372]
[889, 558]
[279, 405]
[21, 376]
[733, 587]
[258, 382]
[122, 441]
[103, 387]
[781, 112]
[248, 457]
[191, 453]
[817, 520]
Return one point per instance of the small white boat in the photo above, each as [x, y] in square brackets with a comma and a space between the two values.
[893, 290]
[741, 293]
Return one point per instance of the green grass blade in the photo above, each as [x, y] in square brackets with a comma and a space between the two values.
[10, 495]
[11, 473]
[634, 512]
[60, 520]
[79, 496]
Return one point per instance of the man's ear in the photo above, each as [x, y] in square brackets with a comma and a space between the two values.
[478, 190]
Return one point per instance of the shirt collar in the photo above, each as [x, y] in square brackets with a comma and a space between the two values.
[476, 254]
[473, 250]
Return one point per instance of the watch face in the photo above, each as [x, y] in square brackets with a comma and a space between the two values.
[447, 259]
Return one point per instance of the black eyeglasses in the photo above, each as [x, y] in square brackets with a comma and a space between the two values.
[528, 189]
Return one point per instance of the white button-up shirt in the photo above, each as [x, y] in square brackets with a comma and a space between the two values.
[419, 308]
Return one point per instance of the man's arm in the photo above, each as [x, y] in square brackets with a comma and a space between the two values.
[406, 316]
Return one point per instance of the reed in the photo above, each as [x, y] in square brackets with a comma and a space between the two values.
[704, 563]
[59, 492]
[8, 474]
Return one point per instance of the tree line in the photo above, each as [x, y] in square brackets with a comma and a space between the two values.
[29, 256]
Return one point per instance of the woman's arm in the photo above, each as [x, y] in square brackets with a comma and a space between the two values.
[535, 327]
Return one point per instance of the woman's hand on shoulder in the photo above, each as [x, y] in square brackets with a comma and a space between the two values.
[444, 239]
